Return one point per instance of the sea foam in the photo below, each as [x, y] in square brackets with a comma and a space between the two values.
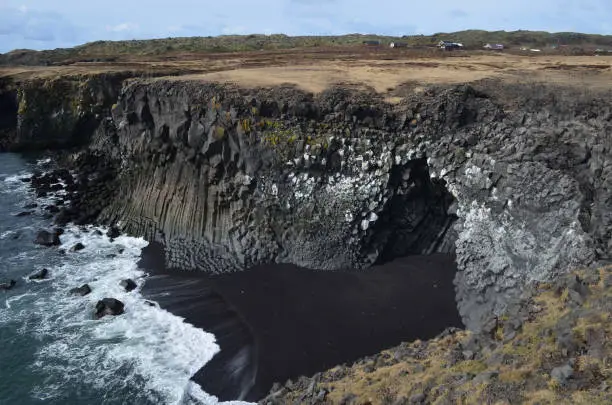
[144, 356]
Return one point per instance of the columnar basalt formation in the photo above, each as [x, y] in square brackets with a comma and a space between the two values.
[228, 178]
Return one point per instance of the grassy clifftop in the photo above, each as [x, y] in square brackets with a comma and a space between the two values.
[555, 348]
[111, 51]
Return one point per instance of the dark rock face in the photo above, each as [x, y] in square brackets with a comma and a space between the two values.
[82, 290]
[128, 285]
[8, 285]
[228, 178]
[60, 112]
[40, 275]
[8, 113]
[46, 238]
[113, 232]
[108, 306]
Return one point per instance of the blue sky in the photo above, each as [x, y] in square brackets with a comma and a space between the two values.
[48, 24]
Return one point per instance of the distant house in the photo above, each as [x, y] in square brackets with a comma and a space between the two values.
[398, 45]
[371, 43]
[449, 46]
[494, 47]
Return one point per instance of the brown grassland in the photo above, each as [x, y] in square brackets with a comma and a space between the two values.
[314, 69]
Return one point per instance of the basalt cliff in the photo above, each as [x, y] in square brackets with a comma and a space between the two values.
[514, 180]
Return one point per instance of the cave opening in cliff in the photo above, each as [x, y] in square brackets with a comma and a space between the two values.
[420, 216]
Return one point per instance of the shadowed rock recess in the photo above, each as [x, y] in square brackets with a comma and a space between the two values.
[228, 178]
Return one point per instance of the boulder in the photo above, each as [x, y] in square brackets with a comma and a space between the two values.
[97, 232]
[30, 206]
[562, 373]
[77, 247]
[8, 285]
[40, 275]
[128, 284]
[113, 232]
[82, 290]
[108, 306]
[46, 238]
[23, 214]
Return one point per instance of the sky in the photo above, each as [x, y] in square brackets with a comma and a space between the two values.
[49, 24]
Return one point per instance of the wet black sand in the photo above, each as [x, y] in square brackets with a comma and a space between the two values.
[277, 322]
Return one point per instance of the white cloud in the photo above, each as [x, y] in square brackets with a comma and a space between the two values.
[234, 30]
[122, 27]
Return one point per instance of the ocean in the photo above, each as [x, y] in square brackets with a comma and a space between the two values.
[52, 350]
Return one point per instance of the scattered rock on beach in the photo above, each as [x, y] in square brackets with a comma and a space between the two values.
[82, 290]
[108, 306]
[128, 284]
[40, 275]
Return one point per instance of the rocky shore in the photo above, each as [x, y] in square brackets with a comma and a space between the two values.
[553, 348]
[513, 180]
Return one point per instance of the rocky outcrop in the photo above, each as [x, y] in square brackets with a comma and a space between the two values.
[109, 306]
[228, 178]
[83, 290]
[231, 181]
[56, 112]
[46, 238]
[552, 348]
[7, 285]
[8, 111]
[39, 275]
[128, 285]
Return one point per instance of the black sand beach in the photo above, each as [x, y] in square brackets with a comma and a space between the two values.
[277, 322]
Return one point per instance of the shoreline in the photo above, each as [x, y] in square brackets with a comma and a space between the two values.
[278, 322]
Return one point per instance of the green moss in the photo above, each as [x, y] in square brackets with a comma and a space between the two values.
[469, 366]
[219, 133]
[246, 126]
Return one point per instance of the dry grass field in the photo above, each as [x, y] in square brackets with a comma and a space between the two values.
[314, 69]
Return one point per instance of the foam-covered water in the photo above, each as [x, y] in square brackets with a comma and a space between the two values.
[51, 348]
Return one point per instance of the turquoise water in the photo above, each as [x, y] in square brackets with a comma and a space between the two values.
[52, 351]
